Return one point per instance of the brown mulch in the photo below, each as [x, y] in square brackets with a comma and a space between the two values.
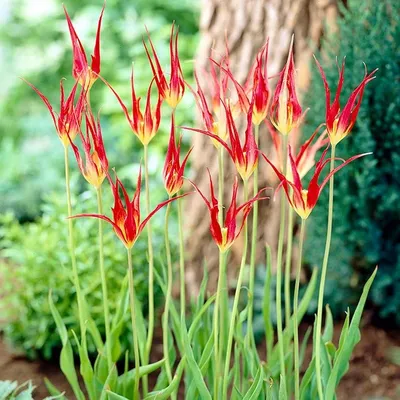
[371, 376]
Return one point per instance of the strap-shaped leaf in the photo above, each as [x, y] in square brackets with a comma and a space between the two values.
[341, 363]
[256, 387]
[66, 356]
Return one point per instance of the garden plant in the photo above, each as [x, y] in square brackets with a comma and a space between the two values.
[209, 350]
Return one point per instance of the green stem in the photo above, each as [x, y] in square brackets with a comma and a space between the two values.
[167, 297]
[223, 277]
[235, 304]
[221, 184]
[288, 265]
[279, 269]
[181, 261]
[323, 278]
[71, 244]
[104, 282]
[136, 394]
[218, 331]
[295, 314]
[253, 250]
[150, 331]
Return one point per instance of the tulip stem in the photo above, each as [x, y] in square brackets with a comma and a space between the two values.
[150, 331]
[279, 267]
[136, 394]
[220, 184]
[288, 264]
[167, 298]
[71, 245]
[318, 365]
[235, 302]
[295, 314]
[181, 262]
[104, 282]
[250, 334]
[218, 333]
[222, 278]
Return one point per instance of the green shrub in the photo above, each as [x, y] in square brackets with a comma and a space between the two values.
[36, 259]
[367, 193]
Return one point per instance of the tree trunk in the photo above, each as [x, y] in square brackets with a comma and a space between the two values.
[246, 24]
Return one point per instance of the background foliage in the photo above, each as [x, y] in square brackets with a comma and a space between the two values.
[35, 44]
[367, 192]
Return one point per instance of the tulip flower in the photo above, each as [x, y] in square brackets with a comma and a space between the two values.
[95, 168]
[213, 121]
[339, 122]
[305, 158]
[286, 111]
[245, 157]
[173, 91]
[173, 169]
[126, 220]
[67, 121]
[81, 71]
[144, 125]
[224, 236]
[303, 200]
[256, 88]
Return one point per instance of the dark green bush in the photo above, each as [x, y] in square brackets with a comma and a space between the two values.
[367, 192]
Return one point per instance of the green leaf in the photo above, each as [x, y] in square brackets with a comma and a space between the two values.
[282, 390]
[125, 382]
[256, 387]
[173, 386]
[66, 356]
[6, 388]
[194, 367]
[328, 331]
[341, 363]
[115, 396]
[54, 392]
[85, 366]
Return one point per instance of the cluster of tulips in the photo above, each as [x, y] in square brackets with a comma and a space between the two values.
[209, 353]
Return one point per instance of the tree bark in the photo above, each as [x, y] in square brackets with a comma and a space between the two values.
[245, 25]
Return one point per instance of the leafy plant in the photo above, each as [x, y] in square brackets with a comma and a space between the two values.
[35, 259]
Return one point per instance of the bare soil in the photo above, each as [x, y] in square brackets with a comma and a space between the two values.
[371, 376]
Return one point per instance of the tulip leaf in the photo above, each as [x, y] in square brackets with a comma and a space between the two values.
[165, 393]
[194, 367]
[342, 358]
[282, 390]
[115, 396]
[66, 356]
[256, 387]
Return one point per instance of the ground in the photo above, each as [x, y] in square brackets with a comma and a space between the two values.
[371, 376]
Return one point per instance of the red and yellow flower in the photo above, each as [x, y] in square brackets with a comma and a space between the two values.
[304, 200]
[144, 125]
[173, 169]
[286, 111]
[81, 71]
[67, 121]
[245, 157]
[224, 236]
[339, 122]
[95, 167]
[173, 91]
[126, 219]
